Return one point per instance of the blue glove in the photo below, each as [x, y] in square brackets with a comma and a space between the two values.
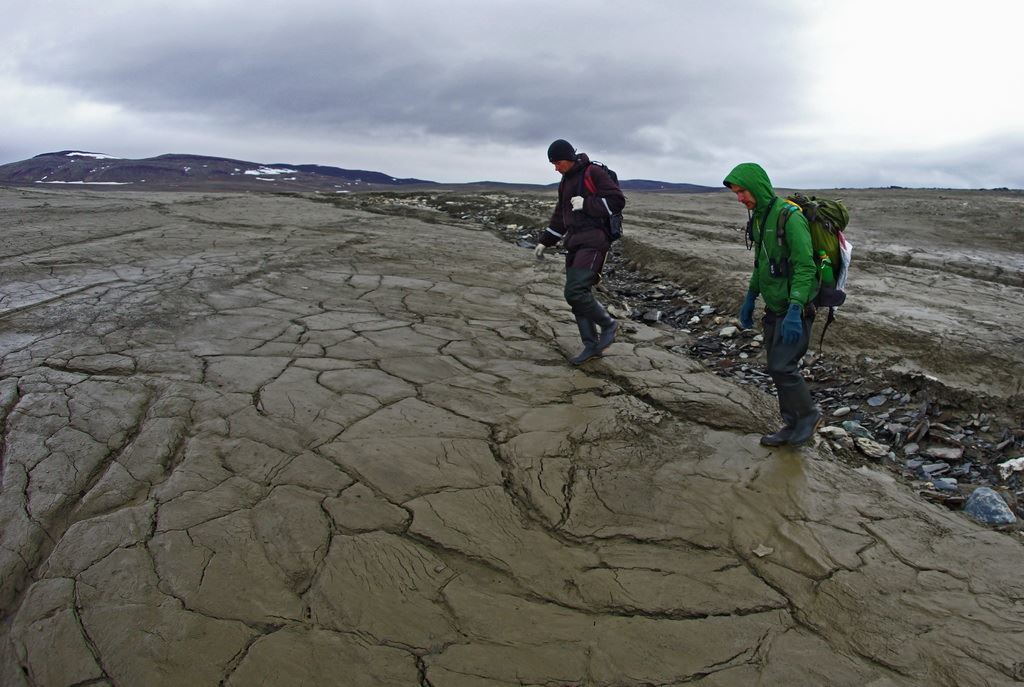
[792, 326]
[747, 311]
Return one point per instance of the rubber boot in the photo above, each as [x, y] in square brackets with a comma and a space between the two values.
[588, 334]
[782, 436]
[805, 427]
[796, 402]
[608, 324]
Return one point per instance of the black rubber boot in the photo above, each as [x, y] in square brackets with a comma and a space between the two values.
[588, 334]
[608, 324]
[781, 437]
[804, 429]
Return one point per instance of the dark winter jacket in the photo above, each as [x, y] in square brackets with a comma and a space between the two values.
[800, 286]
[586, 228]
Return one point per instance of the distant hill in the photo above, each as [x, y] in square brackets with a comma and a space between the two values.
[648, 185]
[189, 172]
[199, 172]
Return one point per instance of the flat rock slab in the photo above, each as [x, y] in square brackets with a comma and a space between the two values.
[262, 439]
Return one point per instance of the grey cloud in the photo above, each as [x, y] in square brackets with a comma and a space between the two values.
[669, 90]
[494, 73]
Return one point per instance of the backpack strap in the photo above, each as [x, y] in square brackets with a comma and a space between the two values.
[780, 228]
[760, 238]
[587, 181]
[829, 320]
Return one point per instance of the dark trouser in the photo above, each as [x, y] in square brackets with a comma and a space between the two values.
[582, 273]
[795, 400]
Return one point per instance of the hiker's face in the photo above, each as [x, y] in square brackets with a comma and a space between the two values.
[563, 166]
[745, 197]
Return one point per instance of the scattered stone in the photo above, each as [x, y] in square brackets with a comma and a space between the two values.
[856, 429]
[1011, 466]
[911, 449]
[945, 484]
[651, 316]
[841, 412]
[870, 448]
[834, 433]
[986, 506]
[729, 332]
[694, 320]
[876, 401]
[761, 551]
[943, 453]
[930, 469]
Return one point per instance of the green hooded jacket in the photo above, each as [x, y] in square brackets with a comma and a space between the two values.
[801, 285]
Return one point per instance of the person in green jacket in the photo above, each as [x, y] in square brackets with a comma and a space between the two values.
[784, 275]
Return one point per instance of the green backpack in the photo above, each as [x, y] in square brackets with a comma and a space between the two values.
[827, 219]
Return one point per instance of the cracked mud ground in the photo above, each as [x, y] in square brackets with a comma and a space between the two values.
[262, 440]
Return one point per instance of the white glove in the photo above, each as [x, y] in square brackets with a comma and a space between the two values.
[539, 251]
[577, 202]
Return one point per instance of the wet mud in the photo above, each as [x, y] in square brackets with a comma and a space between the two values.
[300, 439]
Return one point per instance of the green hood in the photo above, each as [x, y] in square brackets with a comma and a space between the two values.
[752, 177]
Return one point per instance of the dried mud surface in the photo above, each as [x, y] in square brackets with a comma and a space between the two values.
[259, 439]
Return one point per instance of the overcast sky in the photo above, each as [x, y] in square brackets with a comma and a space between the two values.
[823, 94]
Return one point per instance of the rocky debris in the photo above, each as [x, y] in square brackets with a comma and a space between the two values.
[986, 506]
[886, 420]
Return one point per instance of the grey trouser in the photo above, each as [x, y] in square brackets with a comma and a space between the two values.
[795, 399]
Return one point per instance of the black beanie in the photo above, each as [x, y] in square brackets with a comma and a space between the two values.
[561, 150]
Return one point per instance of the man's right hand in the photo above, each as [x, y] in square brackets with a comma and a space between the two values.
[539, 251]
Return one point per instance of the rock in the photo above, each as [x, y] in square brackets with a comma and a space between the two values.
[945, 484]
[988, 507]
[651, 316]
[729, 332]
[833, 432]
[944, 453]
[841, 412]
[870, 448]
[761, 551]
[930, 469]
[1011, 466]
[962, 470]
[694, 320]
[876, 401]
[856, 429]
[911, 449]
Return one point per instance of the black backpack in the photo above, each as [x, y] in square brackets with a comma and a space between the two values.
[614, 227]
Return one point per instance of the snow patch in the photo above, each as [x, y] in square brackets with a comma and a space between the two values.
[271, 170]
[93, 183]
[98, 156]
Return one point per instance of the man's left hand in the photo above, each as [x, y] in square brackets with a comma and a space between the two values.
[577, 202]
[793, 325]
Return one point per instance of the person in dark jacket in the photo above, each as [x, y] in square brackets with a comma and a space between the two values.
[587, 197]
[784, 274]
